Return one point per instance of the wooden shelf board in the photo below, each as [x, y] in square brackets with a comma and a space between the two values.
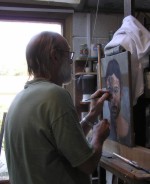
[85, 73]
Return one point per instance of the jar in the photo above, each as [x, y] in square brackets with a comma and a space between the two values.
[84, 50]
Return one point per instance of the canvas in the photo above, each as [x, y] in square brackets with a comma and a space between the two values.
[115, 76]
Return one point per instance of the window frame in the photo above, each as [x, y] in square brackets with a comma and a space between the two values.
[40, 13]
[35, 14]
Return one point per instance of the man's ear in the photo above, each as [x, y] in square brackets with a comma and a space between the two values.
[54, 56]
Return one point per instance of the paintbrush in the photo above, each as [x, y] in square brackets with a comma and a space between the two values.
[132, 163]
[99, 96]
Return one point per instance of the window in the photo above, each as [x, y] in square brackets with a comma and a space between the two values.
[13, 71]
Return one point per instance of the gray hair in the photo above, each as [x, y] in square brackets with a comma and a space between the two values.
[38, 54]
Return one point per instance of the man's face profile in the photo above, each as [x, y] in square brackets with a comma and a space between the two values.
[113, 85]
[65, 70]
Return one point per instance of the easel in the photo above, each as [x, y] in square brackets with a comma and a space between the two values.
[121, 171]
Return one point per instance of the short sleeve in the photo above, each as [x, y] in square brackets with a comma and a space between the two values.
[70, 139]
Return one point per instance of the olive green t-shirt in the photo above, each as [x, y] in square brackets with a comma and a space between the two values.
[44, 140]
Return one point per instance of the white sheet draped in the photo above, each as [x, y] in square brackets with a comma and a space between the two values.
[135, 38]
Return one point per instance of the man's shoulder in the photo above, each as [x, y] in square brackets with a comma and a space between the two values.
[56, 92]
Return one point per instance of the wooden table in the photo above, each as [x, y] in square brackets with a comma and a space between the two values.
[124, 171]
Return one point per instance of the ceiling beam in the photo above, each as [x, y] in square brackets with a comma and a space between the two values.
[28, 9]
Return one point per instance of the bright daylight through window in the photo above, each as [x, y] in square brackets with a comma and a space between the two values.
[13, 71]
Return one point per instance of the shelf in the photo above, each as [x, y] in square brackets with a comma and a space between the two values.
[79, 70]
[85, 73]
[86, 59]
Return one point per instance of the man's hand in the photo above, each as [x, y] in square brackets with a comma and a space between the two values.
[97, 101]
[101, 131]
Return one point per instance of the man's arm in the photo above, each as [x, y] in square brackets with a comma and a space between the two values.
[100, 130]
[100, 133]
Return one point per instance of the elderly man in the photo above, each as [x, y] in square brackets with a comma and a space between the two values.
[45, 142]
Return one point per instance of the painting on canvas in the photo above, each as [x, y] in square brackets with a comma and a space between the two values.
[115, 71]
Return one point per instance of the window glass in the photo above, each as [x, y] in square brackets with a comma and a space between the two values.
[13, 70]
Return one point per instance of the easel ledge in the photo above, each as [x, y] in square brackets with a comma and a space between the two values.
[123, 170]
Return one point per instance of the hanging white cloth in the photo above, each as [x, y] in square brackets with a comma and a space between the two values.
[135, 38]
